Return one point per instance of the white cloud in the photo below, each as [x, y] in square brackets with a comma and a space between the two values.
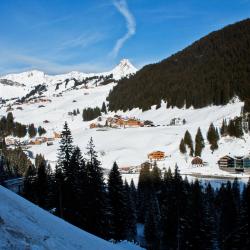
[28, 62]
[122, 7]
[82, 41]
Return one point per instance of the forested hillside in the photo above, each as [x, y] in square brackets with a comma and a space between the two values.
[210, 71]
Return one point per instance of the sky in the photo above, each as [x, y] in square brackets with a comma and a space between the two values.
[58, 36]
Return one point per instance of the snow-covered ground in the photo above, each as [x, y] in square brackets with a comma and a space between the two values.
[24, 225]
[130, 146]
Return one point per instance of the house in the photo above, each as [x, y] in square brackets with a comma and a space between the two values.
[226, 162]
[246, 162]
[198, 162]
[156, 156]
[125, 170]
[93, 125]
[134, 123]
[57, 135]
[176, 122]
[50, 143]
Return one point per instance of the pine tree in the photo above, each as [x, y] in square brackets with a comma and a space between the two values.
[63, 168]
[28, 187]
[104, 109]
[96, 199]
[42, 185]
[144, 191]
[152, 224]
[73, 192]
[32, 130]
[189, 142]
[117, 203]
[9, 123]
[156, 178]
[65, 150]
[182, 147]
[130, 213]
[41, 131]
[224, 128]
[199, 143]
[212, 137]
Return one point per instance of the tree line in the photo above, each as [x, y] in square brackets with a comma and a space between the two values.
[89, 114]
[8, 126]
[211, 71]
[176, 213]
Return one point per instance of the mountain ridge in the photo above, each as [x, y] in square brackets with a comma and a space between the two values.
[19, 84]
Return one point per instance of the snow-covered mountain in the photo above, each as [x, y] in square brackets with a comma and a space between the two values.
[24, 225]
[20, 84]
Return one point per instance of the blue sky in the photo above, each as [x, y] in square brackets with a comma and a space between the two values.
[58, 36]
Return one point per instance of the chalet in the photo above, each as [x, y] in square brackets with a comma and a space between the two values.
[226, 162]
[57, 135]
[133, 123]
[197, 161]
[156, 156]
[9, 141]
[246, 162]
[93, 125]
[125, 170]
[50, 143]
[176, 122]
[35, 142]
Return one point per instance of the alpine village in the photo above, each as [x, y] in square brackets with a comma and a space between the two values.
[154, 156]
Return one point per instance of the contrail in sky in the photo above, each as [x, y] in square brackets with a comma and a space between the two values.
[122, 7]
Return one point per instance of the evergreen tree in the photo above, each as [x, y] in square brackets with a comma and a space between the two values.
[152, 224]
[32, 130]
[42, 185]
[91, 113]
[144, 192]
[96, 199]
[130, 213]
[189, 142]
[9, 123]
[182, 147]
[28, 185]
[63, 168]
[199, 143]
[224, 128]
[65, 150]
[117, 203]
[41, 130]
[212, 137]
[104, 109]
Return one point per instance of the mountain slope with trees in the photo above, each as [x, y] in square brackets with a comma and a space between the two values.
[212, 70]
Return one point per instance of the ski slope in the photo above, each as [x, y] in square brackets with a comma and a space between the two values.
[24, 225]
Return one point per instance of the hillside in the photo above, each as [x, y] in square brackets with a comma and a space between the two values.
[26, 226]
[210, 71]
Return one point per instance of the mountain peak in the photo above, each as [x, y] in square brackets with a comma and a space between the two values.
[124, 68]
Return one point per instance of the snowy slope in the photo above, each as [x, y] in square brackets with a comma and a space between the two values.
[26, 226]
[32, 78]
[130, 146]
